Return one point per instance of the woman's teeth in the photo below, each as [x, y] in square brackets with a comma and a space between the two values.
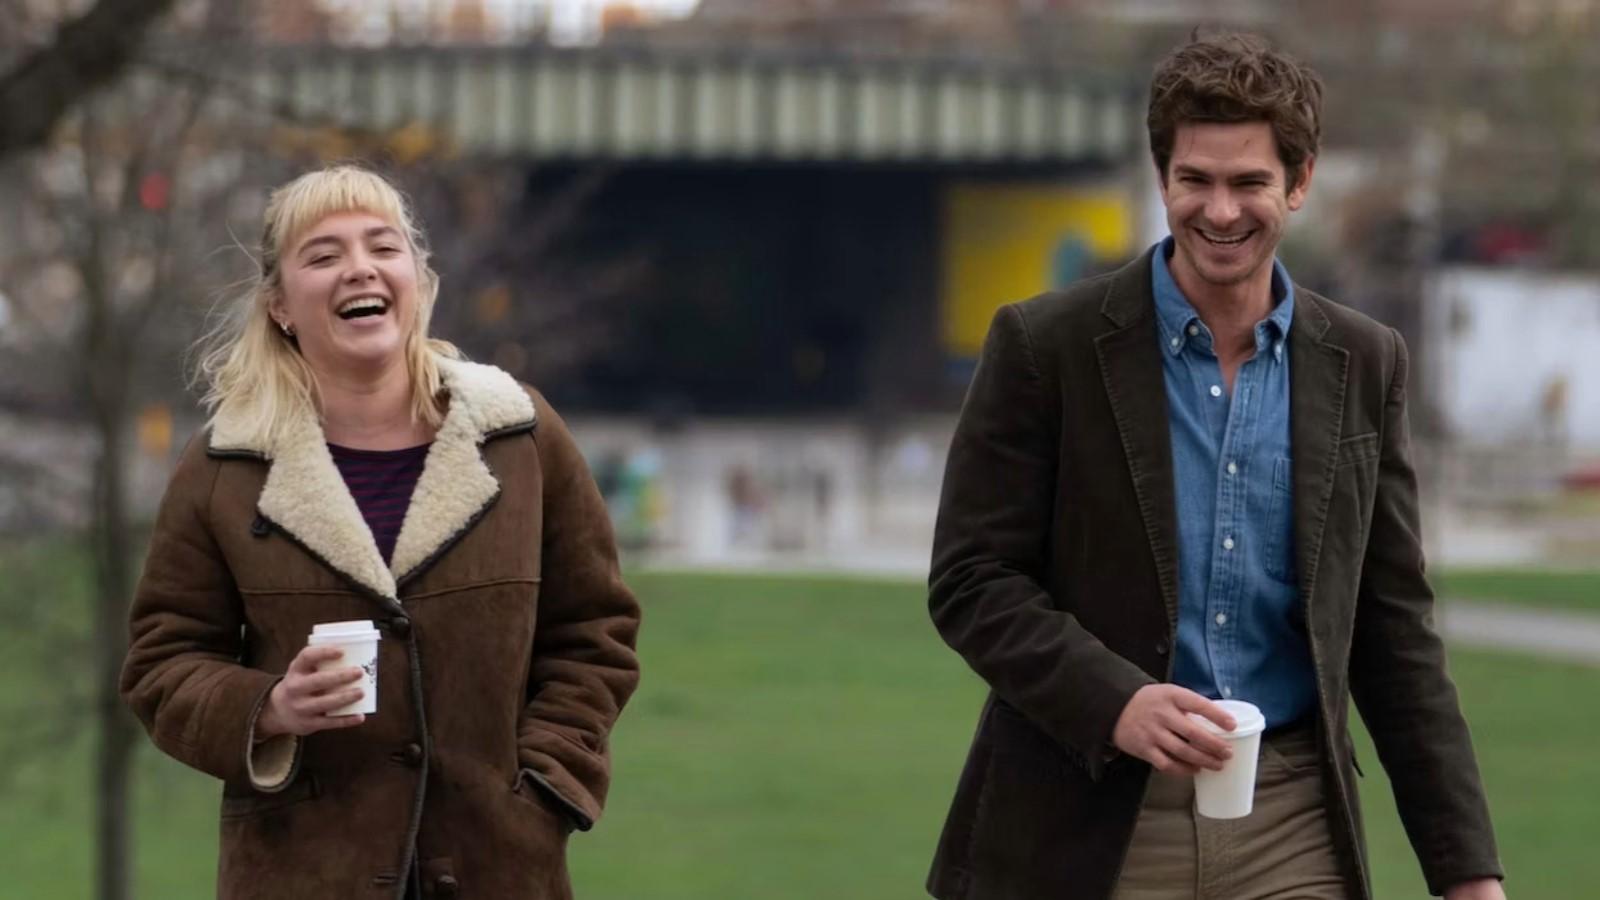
[362, 306]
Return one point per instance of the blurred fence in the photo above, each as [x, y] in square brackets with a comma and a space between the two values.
[853, 495]
[789, 493]
[840, 494]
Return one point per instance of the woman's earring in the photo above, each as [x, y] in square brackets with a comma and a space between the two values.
[288, 330]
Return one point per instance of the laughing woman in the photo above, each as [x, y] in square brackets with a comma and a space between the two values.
[353, 468]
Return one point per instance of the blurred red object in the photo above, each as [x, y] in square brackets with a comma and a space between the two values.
[153, 191]
[1507, 244]
[1584, 479]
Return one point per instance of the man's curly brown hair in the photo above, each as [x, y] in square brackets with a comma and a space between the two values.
[1236, 78]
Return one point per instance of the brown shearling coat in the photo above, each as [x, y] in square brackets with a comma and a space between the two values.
[507, 654]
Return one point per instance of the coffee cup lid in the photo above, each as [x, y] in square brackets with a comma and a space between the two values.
[357, 629]
[1247, 719]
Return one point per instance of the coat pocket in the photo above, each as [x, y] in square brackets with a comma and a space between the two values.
[244, 805]
[531, 789]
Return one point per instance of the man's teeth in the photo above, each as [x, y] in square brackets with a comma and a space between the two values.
[1225, 240]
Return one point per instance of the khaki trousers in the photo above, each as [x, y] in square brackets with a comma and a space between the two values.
[1283, 850]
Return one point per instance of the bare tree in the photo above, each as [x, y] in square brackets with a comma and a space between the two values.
[87, 52]
[513, 292]
[119, 212]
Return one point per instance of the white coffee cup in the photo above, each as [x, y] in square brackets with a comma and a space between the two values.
[1231, 793]
[358, 640]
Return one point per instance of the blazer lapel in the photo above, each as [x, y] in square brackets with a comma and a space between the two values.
[1317, 376]
[1130, 367]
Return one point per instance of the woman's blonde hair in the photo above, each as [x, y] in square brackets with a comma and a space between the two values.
[253, 371]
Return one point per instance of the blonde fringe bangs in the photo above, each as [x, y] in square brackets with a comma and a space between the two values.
[255, 373]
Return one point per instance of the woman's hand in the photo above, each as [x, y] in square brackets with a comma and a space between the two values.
[299, 704]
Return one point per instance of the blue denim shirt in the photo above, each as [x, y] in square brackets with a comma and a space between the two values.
[1241, 623]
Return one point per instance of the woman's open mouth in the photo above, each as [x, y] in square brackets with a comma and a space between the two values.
[363, 307]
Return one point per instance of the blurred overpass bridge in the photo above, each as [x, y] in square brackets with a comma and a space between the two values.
[822, 233]
[639, 104]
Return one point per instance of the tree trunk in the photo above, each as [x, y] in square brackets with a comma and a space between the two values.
[114, 754]
[106, 377]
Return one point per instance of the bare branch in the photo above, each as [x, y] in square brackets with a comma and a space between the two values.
[139, 316]
[88, 52]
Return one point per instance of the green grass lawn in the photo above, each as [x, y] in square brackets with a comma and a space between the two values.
[1575, 590]
[799, 738]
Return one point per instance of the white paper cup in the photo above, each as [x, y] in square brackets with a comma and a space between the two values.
[1231, 793]
[359, 642]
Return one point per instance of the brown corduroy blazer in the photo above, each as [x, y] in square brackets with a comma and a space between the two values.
[507, 654]
[1055, 576]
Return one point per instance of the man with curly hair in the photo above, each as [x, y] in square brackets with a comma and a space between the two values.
[1184, 482]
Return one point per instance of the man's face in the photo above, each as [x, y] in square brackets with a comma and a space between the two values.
[1227, 199]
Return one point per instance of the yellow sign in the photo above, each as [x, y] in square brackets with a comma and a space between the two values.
[1007, 242]
[154, 428]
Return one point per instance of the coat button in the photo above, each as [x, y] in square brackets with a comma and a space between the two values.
[411, 755]
[400, 627]
[1162, 647]
[446, 886]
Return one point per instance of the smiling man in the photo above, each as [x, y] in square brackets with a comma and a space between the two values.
[1184, 482]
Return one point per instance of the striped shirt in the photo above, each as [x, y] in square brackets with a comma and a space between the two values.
[381, 481]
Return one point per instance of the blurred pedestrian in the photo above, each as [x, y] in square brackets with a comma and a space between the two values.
[353, 468]
[1188, 482]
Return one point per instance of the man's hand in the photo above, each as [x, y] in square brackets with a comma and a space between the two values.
[1477, 889]
[299, 704]
[1155, 727]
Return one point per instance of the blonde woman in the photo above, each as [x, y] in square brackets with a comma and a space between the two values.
[353, 468]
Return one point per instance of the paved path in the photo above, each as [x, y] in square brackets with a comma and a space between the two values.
[1555, 634]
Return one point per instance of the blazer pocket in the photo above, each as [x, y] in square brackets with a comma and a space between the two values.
[1358, 449]
[255, 803]
[1019, 735]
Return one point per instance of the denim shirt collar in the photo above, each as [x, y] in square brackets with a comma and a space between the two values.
[1179, 322]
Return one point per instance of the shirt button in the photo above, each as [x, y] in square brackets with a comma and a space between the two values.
[1194, 330]
[1233, 468]
[1216, 391]
[1227, 543]
[1174, 342]
[1227, 692]
[1222, 618]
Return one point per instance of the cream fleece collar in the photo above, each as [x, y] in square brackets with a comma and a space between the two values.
[305, 495]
